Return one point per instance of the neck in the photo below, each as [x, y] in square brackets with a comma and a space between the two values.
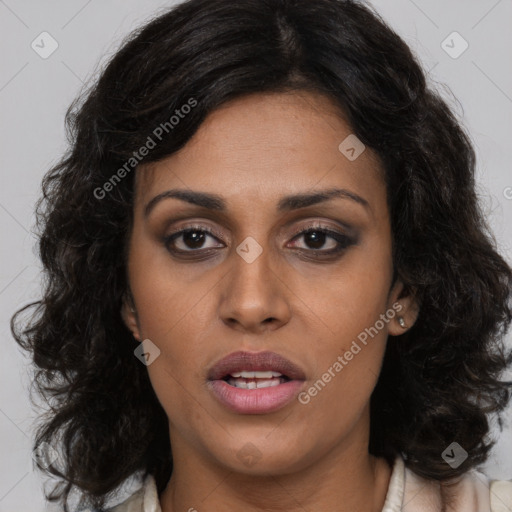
[347, 479]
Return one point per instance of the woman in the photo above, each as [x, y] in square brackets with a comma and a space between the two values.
[269, 282]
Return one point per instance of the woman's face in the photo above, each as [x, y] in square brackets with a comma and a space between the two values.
[244, 279]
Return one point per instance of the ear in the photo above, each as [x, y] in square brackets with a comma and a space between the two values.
[129, 316]
[406, 307]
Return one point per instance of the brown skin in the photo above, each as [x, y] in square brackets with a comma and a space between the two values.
[253, 151]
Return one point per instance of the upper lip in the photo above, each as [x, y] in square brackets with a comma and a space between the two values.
[255, 361]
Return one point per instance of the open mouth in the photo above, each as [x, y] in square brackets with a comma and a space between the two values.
[255, 380]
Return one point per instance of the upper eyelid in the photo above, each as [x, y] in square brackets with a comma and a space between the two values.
[197, 227]
[212, 232]
[316, 225]
[310, 225]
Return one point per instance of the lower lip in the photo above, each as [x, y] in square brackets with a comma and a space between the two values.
[255, 401]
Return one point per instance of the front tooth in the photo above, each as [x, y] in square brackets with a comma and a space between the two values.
[245, 374]
[263, 375]
[267, 383]
[262, 383]
[239, 383]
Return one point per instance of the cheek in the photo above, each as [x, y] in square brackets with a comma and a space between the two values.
[346, 364]
[351, 297]
[168, 295]
[167, 315]
[175, 312]
[352, 309]
[176, 372]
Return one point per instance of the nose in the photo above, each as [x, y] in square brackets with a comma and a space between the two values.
[254, 297]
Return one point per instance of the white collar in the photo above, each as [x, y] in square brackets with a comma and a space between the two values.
[407, 492]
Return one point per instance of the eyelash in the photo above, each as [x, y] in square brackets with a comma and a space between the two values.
[343, 240]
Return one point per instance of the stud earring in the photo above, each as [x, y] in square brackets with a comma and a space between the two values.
[401, 322]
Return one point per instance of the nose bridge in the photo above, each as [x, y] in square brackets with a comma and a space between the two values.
[253, 294]
[252, 275]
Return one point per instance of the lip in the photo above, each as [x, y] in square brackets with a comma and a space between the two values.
[255, 401]
[255, 361]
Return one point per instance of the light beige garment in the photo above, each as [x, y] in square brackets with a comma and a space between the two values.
[407, 492]
[473, 492]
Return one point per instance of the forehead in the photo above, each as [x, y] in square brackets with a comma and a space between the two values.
[262, 146]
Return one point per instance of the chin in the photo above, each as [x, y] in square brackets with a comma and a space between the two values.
[262, 455]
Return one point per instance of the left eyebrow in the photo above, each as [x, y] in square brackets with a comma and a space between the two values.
[297, 201]
[287, 203]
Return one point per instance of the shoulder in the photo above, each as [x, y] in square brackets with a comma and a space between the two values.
[501, 495]
[145, 499]
[472, 492]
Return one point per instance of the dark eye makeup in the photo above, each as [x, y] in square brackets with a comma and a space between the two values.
[194, 238]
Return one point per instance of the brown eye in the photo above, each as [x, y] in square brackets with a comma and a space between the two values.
[323, 241]
[316, 239]
[191, 239]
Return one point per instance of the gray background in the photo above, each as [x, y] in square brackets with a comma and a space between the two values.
[34, 95]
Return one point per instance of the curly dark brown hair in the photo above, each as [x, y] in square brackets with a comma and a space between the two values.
[440, 381]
